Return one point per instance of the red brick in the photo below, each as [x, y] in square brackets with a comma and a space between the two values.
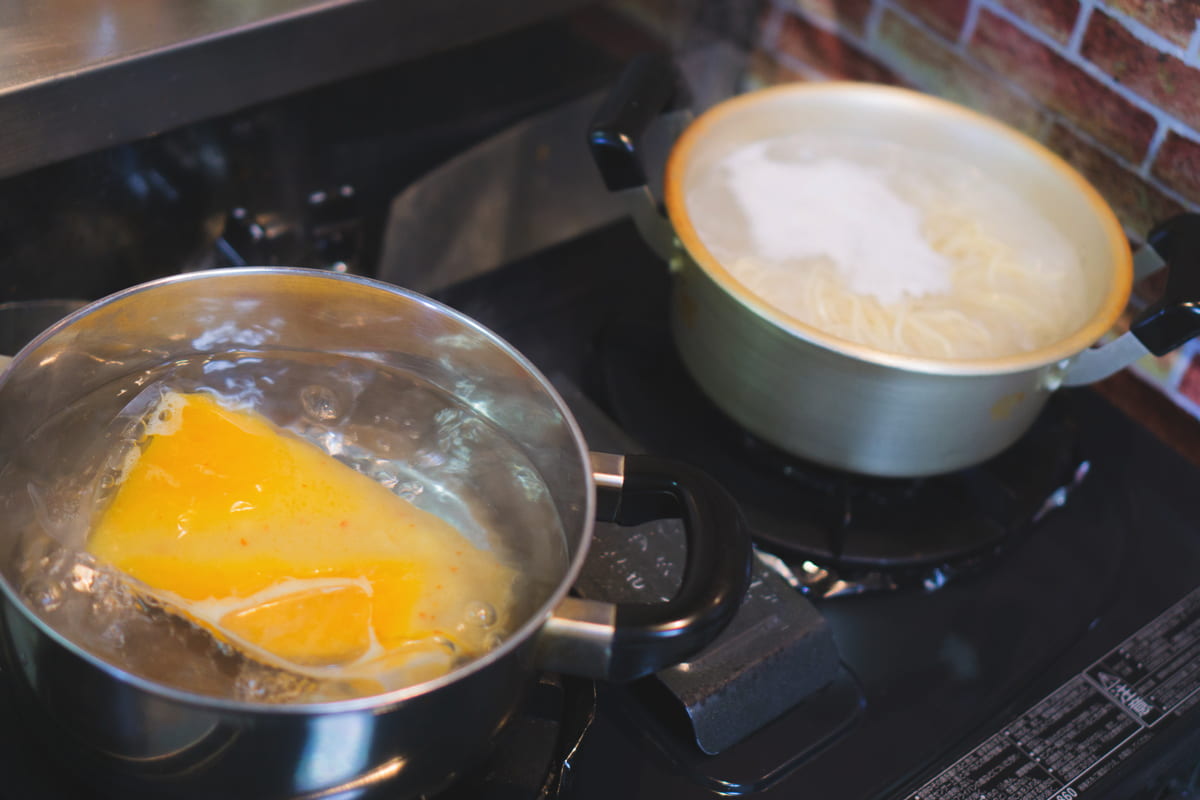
[849, 15]
[1164, 80]
[1174, 20]
[1062, 87]
[1055, 17]
[828, 53]
[944, 16]
[932, 66]
[1178, 165]
[1138, 204]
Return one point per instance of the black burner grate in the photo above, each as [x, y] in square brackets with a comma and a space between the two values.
[917, 530]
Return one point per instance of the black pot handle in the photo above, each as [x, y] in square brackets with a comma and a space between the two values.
[716, 570]
[621, 642]
[1169, 322]
[649, 86]
[1175, 318]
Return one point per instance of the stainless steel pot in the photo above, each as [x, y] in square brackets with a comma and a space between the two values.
[144, 736]
[840, 403]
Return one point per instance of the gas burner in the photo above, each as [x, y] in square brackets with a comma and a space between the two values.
[841, 532]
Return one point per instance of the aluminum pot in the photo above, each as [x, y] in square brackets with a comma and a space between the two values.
[843, 404]
[143, 737]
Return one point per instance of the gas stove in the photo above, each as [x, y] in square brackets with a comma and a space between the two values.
[1025, 629]
[1044, 602]
[1057, 656]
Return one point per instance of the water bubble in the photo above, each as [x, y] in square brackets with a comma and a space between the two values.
[114, 635]
[410, 490]
[473, 429]
[492, 641]
[481, 614]
[83, 578]
[44, 596]
[530, 483]
[332, 442]
[122, 458]
[429, 459]
[384, 476]
[270, 685]
[108, 605]
[58, 562]
[320, 403]
[107, 481]
[135, 431]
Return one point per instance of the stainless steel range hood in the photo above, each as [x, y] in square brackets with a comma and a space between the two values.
[80, 75]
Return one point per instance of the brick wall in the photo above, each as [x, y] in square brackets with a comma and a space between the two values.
[1113, 87]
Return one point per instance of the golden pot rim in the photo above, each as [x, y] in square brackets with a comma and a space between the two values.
[1101, 322]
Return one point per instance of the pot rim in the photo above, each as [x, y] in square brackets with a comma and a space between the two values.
[376, 702]
[1092, 331]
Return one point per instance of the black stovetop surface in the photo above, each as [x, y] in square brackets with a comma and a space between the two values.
[938, 672]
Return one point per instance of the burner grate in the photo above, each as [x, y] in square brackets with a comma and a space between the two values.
[872, 532]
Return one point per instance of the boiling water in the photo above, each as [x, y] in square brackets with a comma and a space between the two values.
[408, 435]
[896, 248]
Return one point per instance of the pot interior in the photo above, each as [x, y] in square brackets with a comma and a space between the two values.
[864, 112]
[418, 397]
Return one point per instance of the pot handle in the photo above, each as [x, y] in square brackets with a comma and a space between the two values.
[650, 86]
[1166, 324]
[621, 642]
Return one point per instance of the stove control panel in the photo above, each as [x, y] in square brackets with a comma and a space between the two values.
[1069, 743]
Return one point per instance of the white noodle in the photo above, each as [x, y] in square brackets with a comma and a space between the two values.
[1015, 283]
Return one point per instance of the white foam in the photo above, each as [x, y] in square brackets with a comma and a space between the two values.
[841, 210]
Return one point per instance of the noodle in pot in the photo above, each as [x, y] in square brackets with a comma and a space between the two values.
[903, 251]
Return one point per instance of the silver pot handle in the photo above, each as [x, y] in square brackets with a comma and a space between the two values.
[1146, 262]
[1098, 363]
[1166, 324]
